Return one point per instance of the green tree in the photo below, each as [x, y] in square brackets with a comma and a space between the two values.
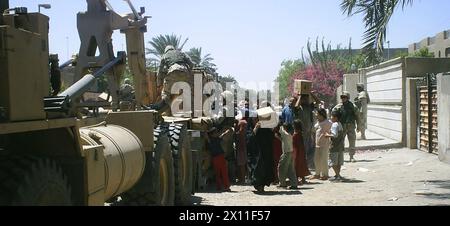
[376, 17]
[160, 42]
[423, 52]
[288, 69]
[324, 54]
[158, 45]
[228, 78]
[199, 60]
[223, 80]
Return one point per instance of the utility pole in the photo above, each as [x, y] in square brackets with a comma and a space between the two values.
[45, 6]
[389, 49]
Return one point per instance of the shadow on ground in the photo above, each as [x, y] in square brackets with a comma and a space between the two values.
[375, 139]
[351, 181]
[377, 147]
[363, 160]
[281, 192]
[311, 183]
[444, 184]
[213, 191]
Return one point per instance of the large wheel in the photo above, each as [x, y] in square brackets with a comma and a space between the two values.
[182, 155]
[32, 181]
[157, 187]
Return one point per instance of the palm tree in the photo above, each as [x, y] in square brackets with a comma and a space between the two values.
[200, 60]
[203, 61]
[160, 42]
[377, 14]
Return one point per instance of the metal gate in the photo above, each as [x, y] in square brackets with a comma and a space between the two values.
[428, 117]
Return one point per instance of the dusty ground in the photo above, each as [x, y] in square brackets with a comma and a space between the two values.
[382, 176]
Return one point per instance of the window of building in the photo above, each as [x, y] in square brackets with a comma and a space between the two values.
[447, 52]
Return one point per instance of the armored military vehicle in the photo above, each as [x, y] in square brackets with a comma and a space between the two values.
[60, 149]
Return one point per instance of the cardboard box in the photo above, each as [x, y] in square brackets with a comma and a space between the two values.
[302, 87]
[268, 117]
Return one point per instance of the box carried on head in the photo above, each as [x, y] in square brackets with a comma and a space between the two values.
[302, 87]
[268, 117]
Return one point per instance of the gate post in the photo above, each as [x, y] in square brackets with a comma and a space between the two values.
[411, 113]
[443, 89]
[430, 113]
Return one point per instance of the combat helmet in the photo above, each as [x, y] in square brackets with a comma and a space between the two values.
[168, 48]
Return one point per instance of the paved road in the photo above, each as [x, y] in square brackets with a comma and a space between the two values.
[382, 176]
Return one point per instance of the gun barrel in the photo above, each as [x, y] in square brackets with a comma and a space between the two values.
[83, 85]
[136, 14]
[65, 64]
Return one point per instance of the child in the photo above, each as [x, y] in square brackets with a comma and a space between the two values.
[241, 147]
[322, 127]
[218, 158]
[337, 145]
[301, 166]
[277, 151]
[286, 165]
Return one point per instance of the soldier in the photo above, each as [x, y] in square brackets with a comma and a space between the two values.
[361, 102]
[55, 75]
[349, 117]
[126, 95]
[175, 67]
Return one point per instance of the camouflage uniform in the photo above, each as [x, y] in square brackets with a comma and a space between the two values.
[361, 102]
[55, 75]
[175, 67]
[349, 119]
[126, 96]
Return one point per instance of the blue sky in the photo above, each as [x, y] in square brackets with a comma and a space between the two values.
[248, 39]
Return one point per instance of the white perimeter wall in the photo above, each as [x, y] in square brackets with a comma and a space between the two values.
[385, 84]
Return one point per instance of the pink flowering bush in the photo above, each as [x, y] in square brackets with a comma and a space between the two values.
[325, 81]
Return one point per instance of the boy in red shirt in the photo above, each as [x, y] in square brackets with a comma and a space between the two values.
[218, 159]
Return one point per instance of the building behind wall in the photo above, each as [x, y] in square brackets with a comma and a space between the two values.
[439, 45]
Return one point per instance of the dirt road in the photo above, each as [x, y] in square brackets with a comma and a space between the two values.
[393, 177]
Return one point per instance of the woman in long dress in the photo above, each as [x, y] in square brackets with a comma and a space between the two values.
[301, 166]
[260, 152]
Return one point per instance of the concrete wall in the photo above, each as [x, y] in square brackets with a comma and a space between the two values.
[411, 113]
[386, 84]
[338, 93]
[349, 85]
[439, 45]
[443, 87]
